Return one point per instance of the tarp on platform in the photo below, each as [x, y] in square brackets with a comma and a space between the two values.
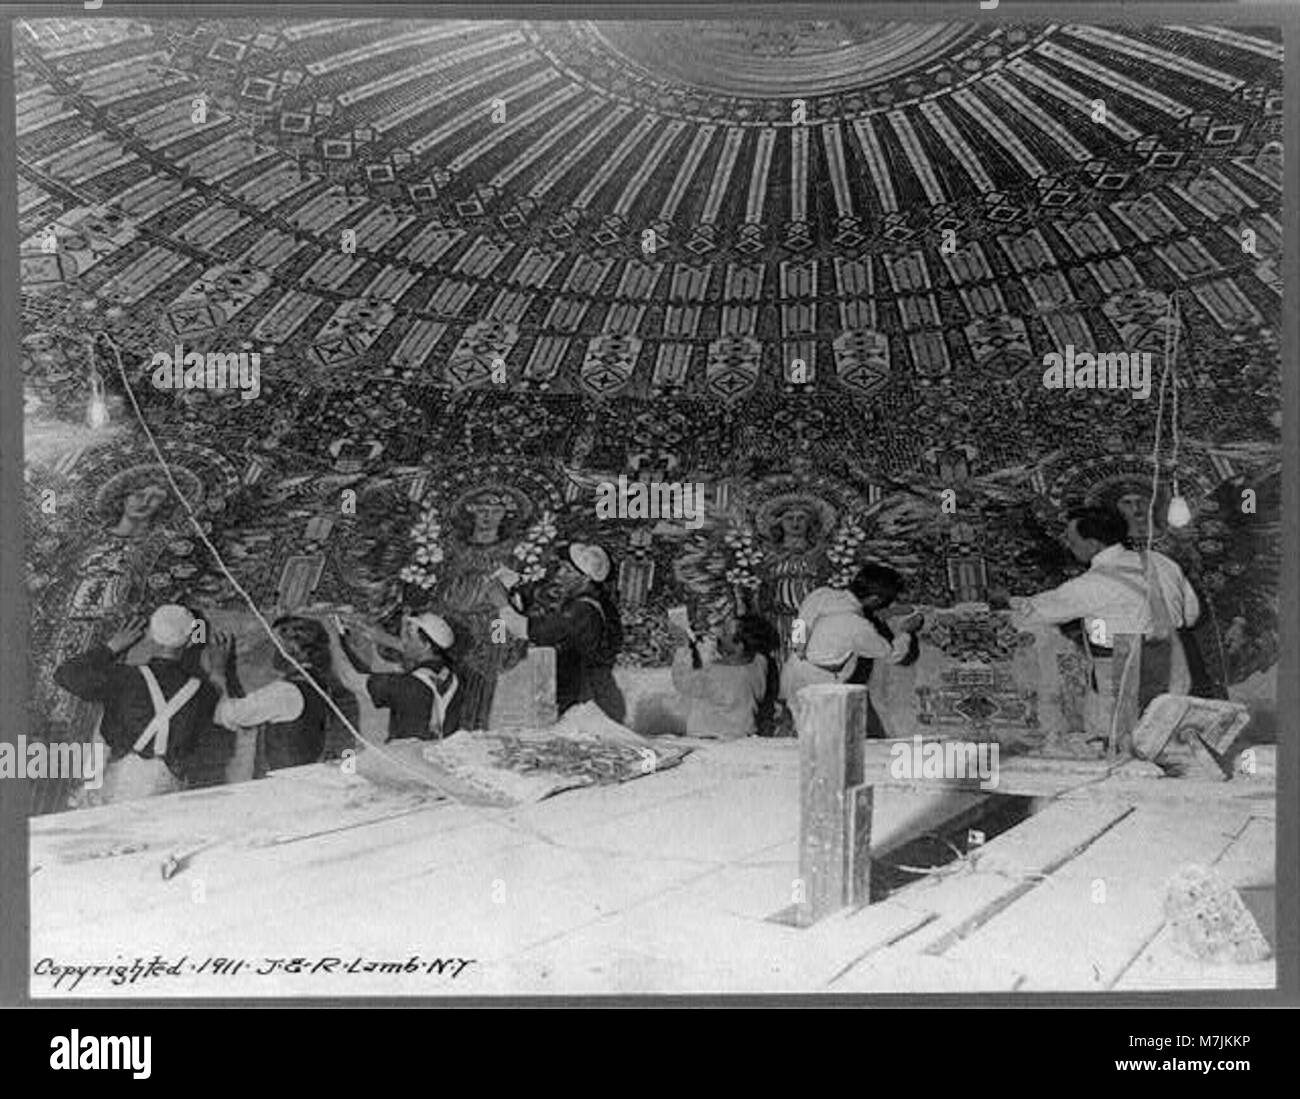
[517, 766]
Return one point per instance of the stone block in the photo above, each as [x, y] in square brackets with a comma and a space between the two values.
[1209, 921]
[525, 694]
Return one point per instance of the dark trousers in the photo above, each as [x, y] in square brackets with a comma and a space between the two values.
[593, 685]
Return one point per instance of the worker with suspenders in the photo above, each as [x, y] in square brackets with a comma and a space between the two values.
[425, 695]
[154, 714]
[586, 632]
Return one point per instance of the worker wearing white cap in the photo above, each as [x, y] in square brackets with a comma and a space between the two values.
[154, 713]
[425, 695]
[171, 626]
[586, 632]
[590, 560]
[431, 628]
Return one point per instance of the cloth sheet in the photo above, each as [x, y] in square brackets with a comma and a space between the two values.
[517, 766]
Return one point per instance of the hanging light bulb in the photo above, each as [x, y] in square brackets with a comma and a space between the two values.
[1179, 514]
[97, 409]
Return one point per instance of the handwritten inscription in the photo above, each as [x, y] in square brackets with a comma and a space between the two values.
[69, 975]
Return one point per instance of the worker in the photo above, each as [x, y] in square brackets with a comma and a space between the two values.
[208, 760]
[288, 715]
[727, 692]
[586, 631]
[425, 694]
[154, 713]
[842, 635]
[1124, 592]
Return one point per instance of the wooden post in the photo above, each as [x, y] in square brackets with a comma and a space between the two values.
[857, 830]
[1125, 708]
[545, 711]
[834, 805]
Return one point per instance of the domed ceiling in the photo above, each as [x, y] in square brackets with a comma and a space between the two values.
[793, 257]
[758, 60]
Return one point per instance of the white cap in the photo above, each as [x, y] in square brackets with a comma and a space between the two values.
[590, 560]
[435, 629]
[171, 626]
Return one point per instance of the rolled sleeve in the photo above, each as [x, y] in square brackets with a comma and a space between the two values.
[1064, 604]
[276, 702]
[867, 641]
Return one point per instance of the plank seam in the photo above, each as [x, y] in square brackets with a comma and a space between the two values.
[999, 904]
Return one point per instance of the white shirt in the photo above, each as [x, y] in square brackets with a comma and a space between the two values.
[1105, 598]
[837, 629]
[724, 697]
[278, 701]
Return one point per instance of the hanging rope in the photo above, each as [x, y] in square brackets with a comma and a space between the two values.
[1172, 326]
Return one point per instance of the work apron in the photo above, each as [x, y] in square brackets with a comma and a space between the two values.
[133, 776]
[1160, 661]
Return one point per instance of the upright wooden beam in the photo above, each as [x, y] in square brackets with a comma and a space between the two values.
[834, 805]
[1124, 706]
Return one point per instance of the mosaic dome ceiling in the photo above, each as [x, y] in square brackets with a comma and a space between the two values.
[772, 59]
[501, 179]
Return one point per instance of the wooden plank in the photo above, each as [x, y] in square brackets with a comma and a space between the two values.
[1026, 776]
[963, 897]
[686, 940]
[924, 973]
[1105, 903]
[832, 722]
[1161, 968]
[1252, 796]
[296, 801]
[1029, 879]
[1251, 859]
[1017, 775]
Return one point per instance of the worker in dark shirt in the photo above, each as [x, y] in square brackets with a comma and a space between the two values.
[154, 713]
[208, 760]
[288, 715]
[425, 694]
[586, 632]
